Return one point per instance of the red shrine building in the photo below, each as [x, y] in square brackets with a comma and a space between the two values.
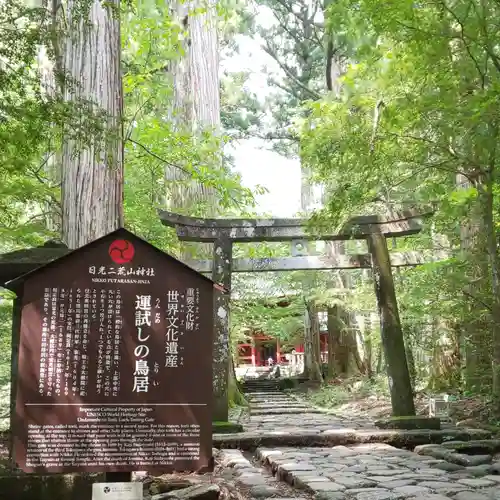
[261, 348]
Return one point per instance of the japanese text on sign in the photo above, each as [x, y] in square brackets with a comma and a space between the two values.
[141, 352]
[121, 271]
[172, 332]
[64, 356]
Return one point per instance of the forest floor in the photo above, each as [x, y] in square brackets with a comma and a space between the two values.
[371, 400]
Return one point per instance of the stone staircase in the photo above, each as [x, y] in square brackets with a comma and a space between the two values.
[260, 385]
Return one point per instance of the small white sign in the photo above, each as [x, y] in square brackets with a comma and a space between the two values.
[117, 491]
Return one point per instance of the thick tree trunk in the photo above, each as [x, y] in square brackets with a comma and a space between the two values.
[444, 370]
[346, 345]
[235, 397]
[308, 346]
[487, 195]
[312, 366]
[196, 101]
[332, 341]
[51, 160]
[412, 370]
[315, 329]
[380, 366]
[344, 349]
[92, 173]
[195, 109]
[352, 339]
[204, 65]
[478, 346]
[368, 346]
[316, 339]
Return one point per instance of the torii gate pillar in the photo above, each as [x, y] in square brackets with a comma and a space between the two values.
[221, 273]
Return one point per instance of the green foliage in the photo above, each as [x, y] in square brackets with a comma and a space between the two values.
[35, 120]
[291, 36]
[32, 116]
[226, 428]
[337, 394]
[415, 111]
[152, 42]
[240, 108]
[5, 350]
[235, 396]
[281, 319]
[26, 116]
[417, 123]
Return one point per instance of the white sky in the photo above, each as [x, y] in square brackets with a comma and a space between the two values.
[279, 175]
[258, 166]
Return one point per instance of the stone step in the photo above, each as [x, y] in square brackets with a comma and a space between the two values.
[249, 441]
[272, 401]
[282, 411]
[263, 378]
[274, 404]
[255, 390]
[268, 394]
[264, 384]
[269, 385]
[250, 390]
[276, 394]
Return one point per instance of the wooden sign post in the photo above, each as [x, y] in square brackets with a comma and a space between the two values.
[114, 364]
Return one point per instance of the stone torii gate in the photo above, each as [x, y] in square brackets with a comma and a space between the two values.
[224, 232]
[374, 229]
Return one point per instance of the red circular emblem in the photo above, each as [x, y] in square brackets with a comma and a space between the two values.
[121, 251]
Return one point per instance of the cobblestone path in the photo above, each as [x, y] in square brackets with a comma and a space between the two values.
[369, 471]
[275, 411]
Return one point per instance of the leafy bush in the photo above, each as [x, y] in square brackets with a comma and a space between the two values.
[5, 356]
[338, 392]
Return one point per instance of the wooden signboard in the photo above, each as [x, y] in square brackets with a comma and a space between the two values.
[114, 364]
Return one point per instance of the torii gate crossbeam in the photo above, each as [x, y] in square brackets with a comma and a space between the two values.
[319, 263]
[254, 230]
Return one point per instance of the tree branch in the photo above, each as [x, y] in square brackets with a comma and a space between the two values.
[289, 9]
[289, 91]
[466, 45]
[494, 58]
[284, 27]
[446, 149]
[329, 59]
[289, 74]
[34, 218]
[467, 294]
[132, 120]
[159, 158]
[376, 120]
[187, 172]
[273, 136]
